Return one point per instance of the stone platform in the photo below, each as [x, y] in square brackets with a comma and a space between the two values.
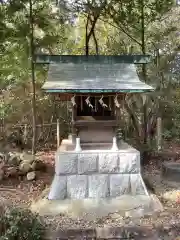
[90, 208]
[96, 172]
[95, 183]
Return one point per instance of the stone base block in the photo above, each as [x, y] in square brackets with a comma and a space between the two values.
[108, 163]
[66, 164]
[87, 163]
[98, 186]
[77, 187]
[120, 184]
[129, 162]
[58, 188]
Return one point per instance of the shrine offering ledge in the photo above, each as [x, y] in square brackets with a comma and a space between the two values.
[104, 123]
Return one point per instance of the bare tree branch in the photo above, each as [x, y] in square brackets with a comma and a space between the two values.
[121, 28]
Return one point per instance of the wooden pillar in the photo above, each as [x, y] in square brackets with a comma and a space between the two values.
[114, 110]
[58, 133]
[73, 129]
[159, 133]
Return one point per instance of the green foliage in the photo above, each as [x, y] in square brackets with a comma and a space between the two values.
[171, 116]
[21, 225]
[120, 29]
[133, 17]
[49, 30]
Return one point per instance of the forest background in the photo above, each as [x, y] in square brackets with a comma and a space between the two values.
[80, 27]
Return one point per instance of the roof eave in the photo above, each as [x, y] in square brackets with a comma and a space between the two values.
[98, 90]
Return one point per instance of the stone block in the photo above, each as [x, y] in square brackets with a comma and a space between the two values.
[66, 163]
[77, 187]
[108, 162]
[137, 185]
[58, 190]
[98, 185]
[129, 162]
[87, 163]
[119, 184]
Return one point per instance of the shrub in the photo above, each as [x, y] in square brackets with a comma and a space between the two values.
[20, 224]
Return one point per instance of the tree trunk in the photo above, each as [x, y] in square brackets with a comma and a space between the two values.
[159, 115]
[144, 73]
[91, 32]
[32, 77]
[87, 37]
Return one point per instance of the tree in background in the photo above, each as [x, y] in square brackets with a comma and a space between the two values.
[48, 29]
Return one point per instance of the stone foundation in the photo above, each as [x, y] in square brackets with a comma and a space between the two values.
[95, 183]
[93, 208]
[97, 174]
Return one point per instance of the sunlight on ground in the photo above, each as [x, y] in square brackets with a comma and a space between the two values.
[173, 195]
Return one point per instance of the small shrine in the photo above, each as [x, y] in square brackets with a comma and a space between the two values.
[92, 164]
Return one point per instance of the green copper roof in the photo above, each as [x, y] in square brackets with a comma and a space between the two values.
[94, 78]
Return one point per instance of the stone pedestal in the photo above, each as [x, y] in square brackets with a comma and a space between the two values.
[97, 174]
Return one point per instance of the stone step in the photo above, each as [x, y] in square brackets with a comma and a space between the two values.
[134, 232]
